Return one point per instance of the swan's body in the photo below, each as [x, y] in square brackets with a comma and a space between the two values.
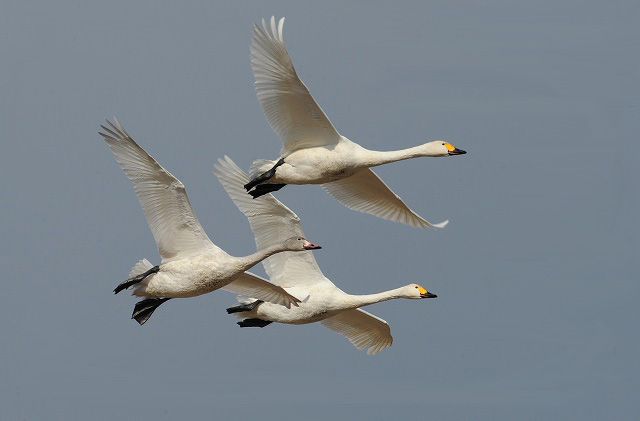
[204, 273]
[313, 151]
[191, 264]
[300, 276]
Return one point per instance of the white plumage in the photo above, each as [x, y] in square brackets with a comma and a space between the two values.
[300, 276]
[313, 150]
[191, 264]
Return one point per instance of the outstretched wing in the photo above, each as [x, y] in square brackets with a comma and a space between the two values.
[289, 107]
[163, 198]
[363, 329]
[271, 223]
[250, 285]
[366, 192]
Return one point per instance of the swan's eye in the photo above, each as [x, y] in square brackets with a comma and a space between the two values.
[443, 144]
[416, 287]
[299, 239]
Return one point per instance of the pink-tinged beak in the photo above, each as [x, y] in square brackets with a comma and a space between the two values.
[311, 246]
[457, 151]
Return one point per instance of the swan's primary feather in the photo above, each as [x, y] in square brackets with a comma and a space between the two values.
[289, 107]
[366, 192]
[163, 198]
[364, 330]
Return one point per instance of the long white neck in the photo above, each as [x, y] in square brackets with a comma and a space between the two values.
[375, 158]
[365, 300]
[251, 260]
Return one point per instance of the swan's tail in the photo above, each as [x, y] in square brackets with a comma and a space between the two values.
[259, 167]
[141, 267]
[246, 304]
[138, 273]
[244, 307]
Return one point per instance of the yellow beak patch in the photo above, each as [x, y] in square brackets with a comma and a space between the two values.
[422, 290]
[449, 146]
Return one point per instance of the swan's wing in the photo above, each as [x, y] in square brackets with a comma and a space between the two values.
[289, 107]
[363, 329]
[163, 198]
[271, 223]
[366, 192]
[250, 285]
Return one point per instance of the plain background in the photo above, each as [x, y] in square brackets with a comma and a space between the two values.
[536, 315]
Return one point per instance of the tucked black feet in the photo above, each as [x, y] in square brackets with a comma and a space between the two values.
[244, 307]
[264, 189]
[145, 308]
[136, 279]
[254, 323]
[264, 176]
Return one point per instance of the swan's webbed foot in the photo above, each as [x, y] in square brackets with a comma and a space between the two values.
[264, 176]
[145, 308]
[136, 279]
[244, 307]
[254, 323]
[263, 189]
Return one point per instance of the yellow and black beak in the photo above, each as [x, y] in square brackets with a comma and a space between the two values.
[425, 294]
[453, 150]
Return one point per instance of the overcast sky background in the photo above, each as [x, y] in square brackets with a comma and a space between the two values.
[536, 276]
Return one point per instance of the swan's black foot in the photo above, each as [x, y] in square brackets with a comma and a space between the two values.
[264, 189]
[145, 308]
[264, 176]
[244, 307]
[254, 323]
[136, 279]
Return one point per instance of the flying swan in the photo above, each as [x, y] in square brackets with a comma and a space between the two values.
[313, 151]
[191, 264]
[299, 275]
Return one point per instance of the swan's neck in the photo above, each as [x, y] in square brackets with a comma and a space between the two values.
[253, 259]
[365, 300]
[375, 158]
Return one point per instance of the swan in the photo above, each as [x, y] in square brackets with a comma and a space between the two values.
[191, 264]
[313, 151]
[300, 276]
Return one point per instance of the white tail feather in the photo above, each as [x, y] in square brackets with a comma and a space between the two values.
[260, 166]
[242, 299]
[141, 267]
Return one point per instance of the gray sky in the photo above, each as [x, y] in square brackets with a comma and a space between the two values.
[536, 315]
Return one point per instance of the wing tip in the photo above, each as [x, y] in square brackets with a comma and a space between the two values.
[440, 224]
[270, 28]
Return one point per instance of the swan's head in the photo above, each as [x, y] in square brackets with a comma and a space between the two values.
[416, 291]
[300, 244]
[443, 148]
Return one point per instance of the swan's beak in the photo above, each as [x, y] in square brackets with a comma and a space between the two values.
[311, 246]
[424, 293]
[452, 150]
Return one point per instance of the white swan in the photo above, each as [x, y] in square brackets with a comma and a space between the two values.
[191, 264]
[300, 276]
[313, 151]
